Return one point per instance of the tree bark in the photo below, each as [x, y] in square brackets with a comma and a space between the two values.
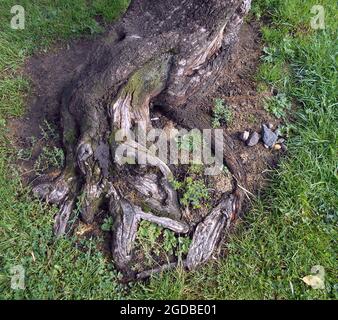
[161, 53]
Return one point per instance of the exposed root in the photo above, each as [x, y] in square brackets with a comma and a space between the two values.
[159, 196]
[127, 217]
[176, 226]
[142, 156]
[124, 231]
[92, 192]
[148, 273]
[208, 233]
[62, 218]
[54, 192]
[156, 62]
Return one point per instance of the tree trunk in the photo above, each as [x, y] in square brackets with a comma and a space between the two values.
[162, 53]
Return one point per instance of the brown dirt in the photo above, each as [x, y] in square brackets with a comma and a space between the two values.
[239, 91]
[50, 73]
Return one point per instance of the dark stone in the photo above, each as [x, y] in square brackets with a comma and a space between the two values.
[269, 137]
[254, 139]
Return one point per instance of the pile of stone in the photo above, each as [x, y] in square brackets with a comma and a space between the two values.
[271, 139]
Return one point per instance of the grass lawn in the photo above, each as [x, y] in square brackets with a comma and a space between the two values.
[290, 229]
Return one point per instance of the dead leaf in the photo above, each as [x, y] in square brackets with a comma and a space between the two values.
[316, 279]
[82, 229]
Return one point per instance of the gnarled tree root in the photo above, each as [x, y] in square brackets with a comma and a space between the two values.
[206, 237]
[149, 57]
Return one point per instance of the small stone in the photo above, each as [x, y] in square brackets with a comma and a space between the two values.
[270, 125]
[245, 136]
[277, 146]
[253, 140]
[269, 137]
[265, 146]
[280, 140]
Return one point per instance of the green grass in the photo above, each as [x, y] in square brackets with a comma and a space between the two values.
[46, 21]
[291, 228]
[278, 105]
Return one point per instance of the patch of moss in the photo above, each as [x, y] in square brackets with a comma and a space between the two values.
[70, 136]
[147, 80]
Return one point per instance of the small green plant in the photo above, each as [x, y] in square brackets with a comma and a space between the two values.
[27, 153]
[183, 245]
[179, 245]
[196, 168]
[156, 240]
[149, 231]
[287, 129]
[221, 114]
[278, 105]
[50, 157]
[194, 192]
[107, 224]
[169, 241]
[48, 131]
[147, 236]
[190, 141]
[193, 189]
[177, 185]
